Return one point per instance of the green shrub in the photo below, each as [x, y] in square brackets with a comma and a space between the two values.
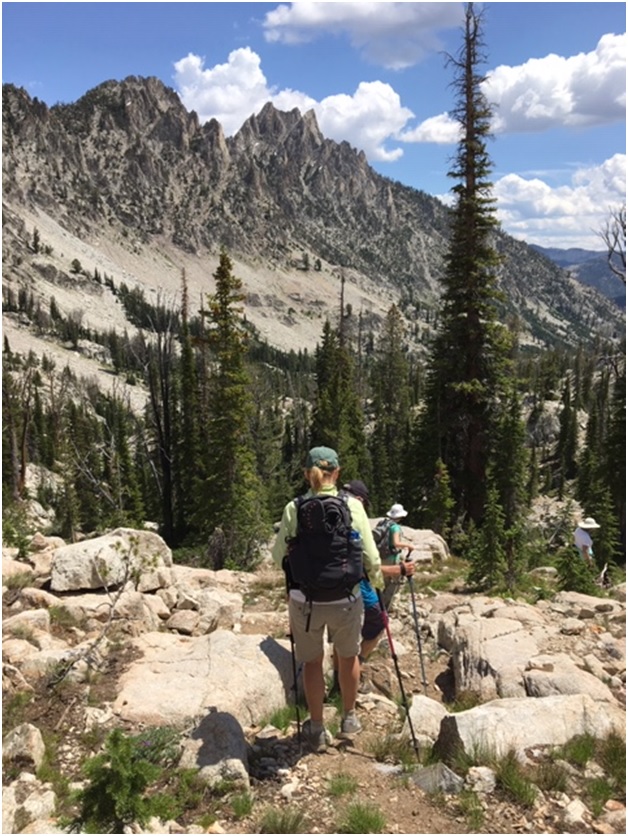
[118, 778]
[464, 701]
[574, 574]
[189, 792]
[161, 745]
[15, 529]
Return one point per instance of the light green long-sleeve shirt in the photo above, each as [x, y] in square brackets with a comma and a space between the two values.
[360, 523]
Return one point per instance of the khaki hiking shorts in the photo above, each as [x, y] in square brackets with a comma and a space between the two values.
[344, 621]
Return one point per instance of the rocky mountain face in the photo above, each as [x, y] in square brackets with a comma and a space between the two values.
[129, 173]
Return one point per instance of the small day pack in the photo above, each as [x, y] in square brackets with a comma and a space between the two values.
[324, 559]
[381, 535]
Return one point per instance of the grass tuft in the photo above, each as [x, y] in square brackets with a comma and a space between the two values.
[393, 748]
[282, 821]
[362, 818]
[242, 805]
[18, 581]
[550, 776]
[341, 784]
[579, 750]
[471, 809]
[512, 780]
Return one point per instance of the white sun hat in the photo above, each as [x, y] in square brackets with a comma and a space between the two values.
[397, 512]
[588, 522]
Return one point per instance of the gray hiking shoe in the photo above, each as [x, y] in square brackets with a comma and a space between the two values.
[350, 725]
[316, 740]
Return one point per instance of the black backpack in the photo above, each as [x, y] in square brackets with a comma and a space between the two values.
[324, 559]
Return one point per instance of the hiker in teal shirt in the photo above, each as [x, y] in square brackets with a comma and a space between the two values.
[396, 545]
[343, 618]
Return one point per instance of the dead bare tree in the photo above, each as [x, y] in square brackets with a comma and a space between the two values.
[614, 236]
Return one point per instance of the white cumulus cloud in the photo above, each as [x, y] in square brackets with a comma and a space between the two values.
[544, 93]
[392, 35]
[228, 92]
[581, 90]
[563, 216]
[232, 92]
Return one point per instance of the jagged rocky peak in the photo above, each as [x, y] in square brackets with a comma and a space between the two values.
[137, 106]
[20, 112]
[271, 128]
[214, 148]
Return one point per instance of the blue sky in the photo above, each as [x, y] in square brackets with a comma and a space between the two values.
[376, 76]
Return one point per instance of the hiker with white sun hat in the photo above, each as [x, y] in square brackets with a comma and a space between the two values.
[582, 538]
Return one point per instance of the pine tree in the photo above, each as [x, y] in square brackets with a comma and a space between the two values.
[469, 358]
[487, 551]
[440, 502]
[325, 417]
[189, 472]
[391, 408]
[567, 439]
[161, 424]
[234, 497]
[510, 460]
[338, 419]
[615, 455]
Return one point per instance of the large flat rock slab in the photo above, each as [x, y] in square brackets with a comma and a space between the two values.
[179, 679]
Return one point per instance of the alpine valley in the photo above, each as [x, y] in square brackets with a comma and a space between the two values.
[126, 186]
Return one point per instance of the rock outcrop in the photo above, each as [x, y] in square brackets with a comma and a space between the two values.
[198, 660]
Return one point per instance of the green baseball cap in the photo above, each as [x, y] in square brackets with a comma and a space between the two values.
[323, 457]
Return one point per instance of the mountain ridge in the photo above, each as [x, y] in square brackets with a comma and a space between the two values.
[128, 165]
[590, 267]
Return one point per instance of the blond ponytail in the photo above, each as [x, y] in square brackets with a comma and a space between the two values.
[317, 478]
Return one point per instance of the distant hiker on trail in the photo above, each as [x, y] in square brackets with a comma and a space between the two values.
[325, 545]
[582, 539]
[373, 624]
[388, 535]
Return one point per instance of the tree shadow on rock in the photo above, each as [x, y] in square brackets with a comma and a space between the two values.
[218, 749]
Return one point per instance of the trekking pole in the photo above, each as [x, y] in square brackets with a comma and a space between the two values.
[398, 672]
[294, 687]
[418, 635]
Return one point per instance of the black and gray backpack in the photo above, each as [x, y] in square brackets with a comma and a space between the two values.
[381, 535]
[324, 559]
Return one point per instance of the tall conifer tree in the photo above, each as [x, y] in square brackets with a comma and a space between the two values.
[338, 419]
[470, 350]
[189, 472]
[234, 513]
[391, 406]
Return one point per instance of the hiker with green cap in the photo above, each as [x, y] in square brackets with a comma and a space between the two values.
[318, 535]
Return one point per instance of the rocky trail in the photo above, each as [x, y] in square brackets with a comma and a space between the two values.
[206, 652]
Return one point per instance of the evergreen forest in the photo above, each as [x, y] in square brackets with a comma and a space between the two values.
[457, 434]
